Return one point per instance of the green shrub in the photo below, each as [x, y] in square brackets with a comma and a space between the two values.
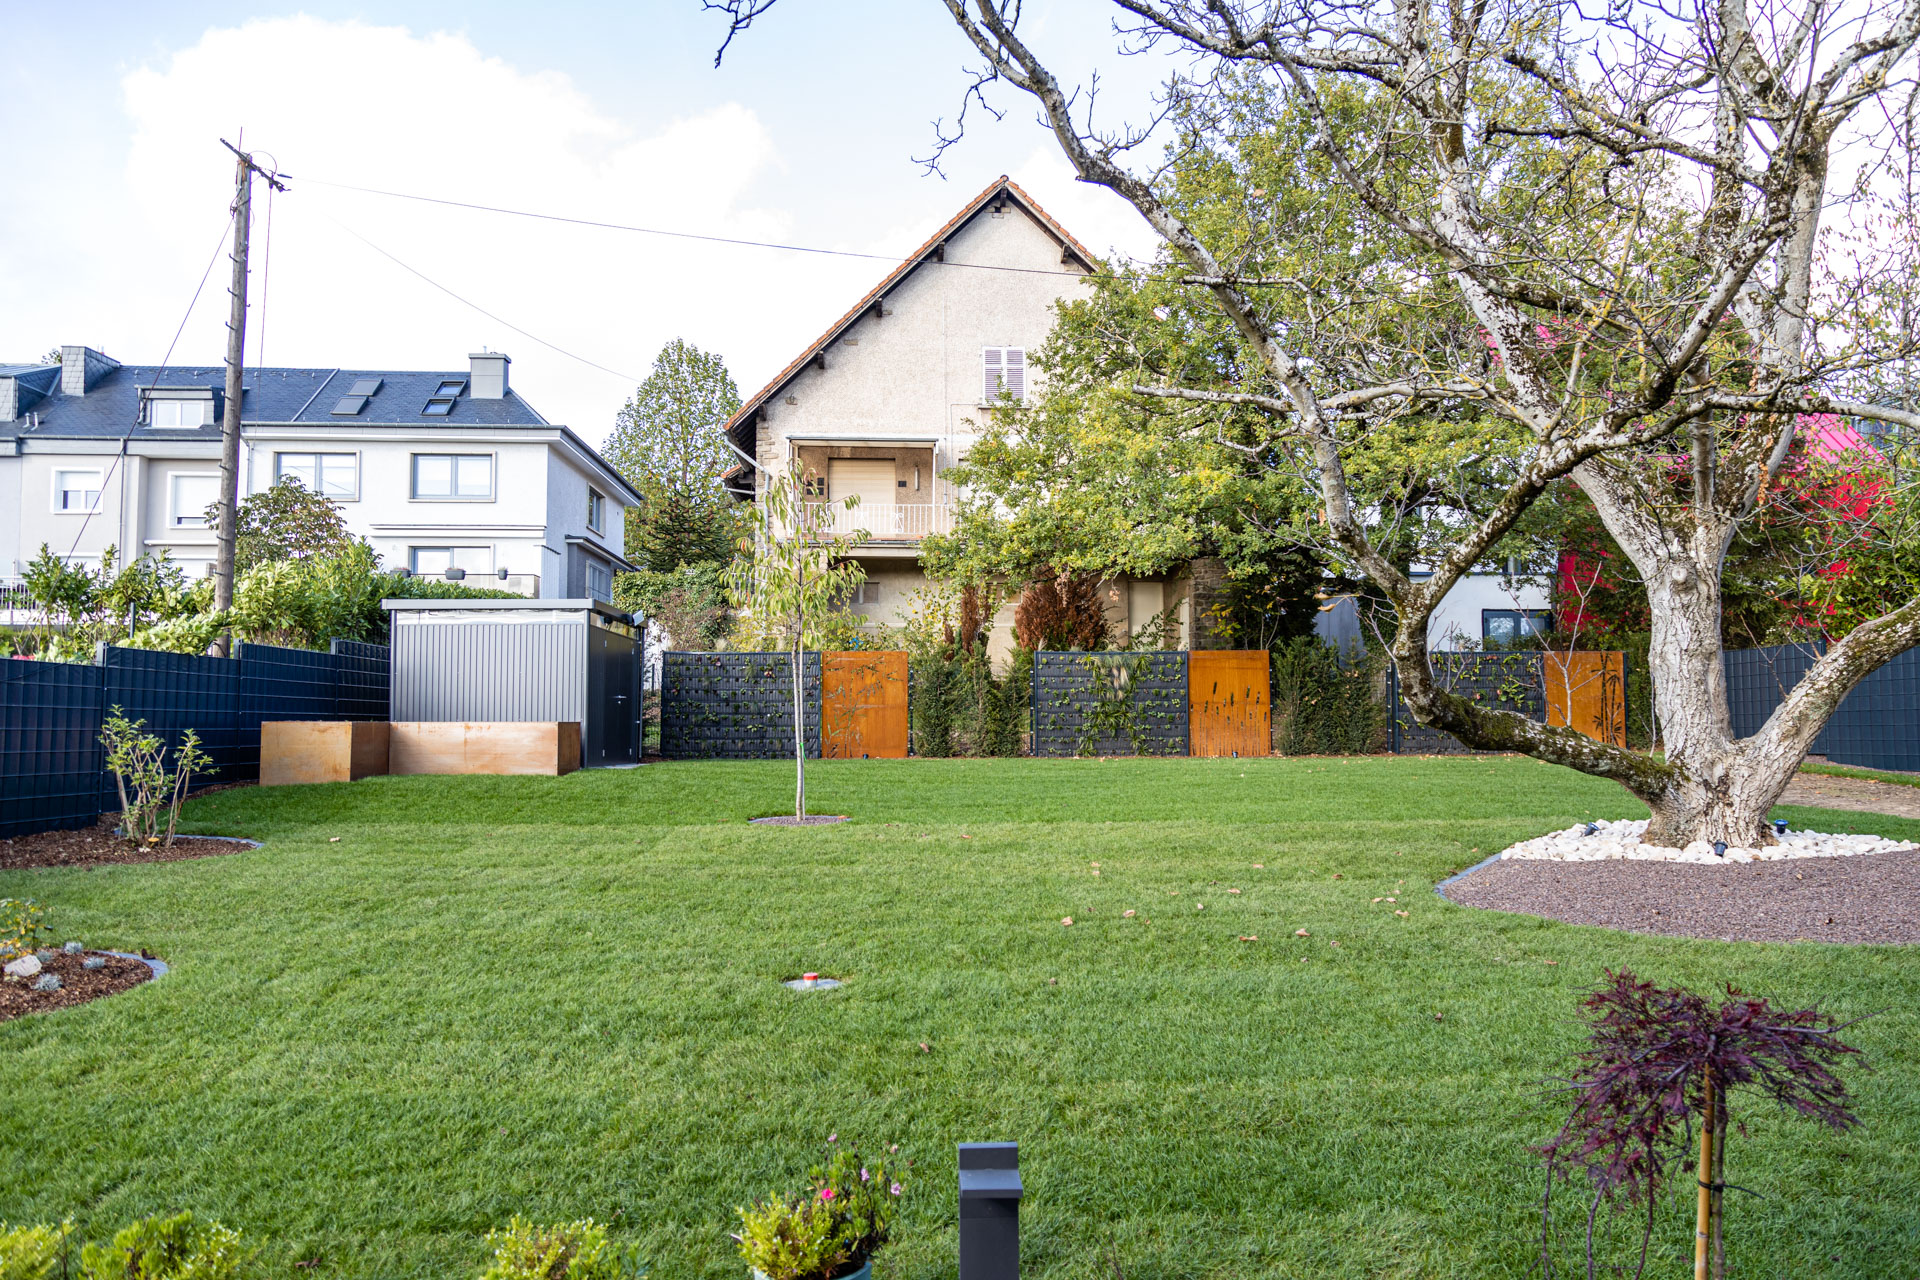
[1322, 705]
[958, 708]
[831, 1230]
[564, 1251]
[33, 1253]
[159, 1248]
[23, 923]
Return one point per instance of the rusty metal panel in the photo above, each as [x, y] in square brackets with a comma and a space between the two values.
[1588, 691]
[1230, 710]
[863, 711]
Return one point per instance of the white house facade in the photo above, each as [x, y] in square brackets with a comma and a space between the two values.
[438, 471]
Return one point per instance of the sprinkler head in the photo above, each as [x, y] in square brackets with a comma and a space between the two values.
[1779, 826]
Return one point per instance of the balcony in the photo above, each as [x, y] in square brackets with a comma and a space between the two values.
[885, 522]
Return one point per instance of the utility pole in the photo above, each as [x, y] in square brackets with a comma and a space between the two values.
[230, 420]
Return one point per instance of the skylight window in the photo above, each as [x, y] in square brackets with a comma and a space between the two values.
[450, 387]
[365, 387]
[348, 406]
[438, 407]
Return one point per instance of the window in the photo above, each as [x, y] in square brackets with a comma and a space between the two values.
[178, 413]
[867, 593]
[599, 582]
[1004, 373]
[450, 387]
[331, 475]
[596, 510]
[349, 406]
[453, 477]
[1510, 626]
[434, 561]
[192, 493]
[76, 490]
[441, 403]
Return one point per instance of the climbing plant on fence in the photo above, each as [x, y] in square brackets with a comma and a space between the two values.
[960, 709]
[736, 706]
[1506, 681]
[1110, 704]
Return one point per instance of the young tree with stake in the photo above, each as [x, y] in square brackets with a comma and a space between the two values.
[791, 575]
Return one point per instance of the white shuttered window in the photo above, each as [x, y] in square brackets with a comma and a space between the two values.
[1003, 372]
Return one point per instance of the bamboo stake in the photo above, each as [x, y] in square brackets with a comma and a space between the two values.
[1704, 1209]
[1719, 1189]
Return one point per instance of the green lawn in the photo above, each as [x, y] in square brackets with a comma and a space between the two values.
[560, 997]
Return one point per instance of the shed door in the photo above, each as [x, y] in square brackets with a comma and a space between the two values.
[612, 732]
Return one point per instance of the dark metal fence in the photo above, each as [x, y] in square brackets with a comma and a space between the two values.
[735, 706]
[1498, 681]
[1110, 704]
[1876, 727]
[52, 770]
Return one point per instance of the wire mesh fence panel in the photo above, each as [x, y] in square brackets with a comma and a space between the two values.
[50, 755]
[1877, 726]
[1497, 681]
[280, 684]
[735, 706]
[1110, 704]
[175, 692]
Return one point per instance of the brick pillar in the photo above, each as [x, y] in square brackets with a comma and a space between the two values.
[1207, 591]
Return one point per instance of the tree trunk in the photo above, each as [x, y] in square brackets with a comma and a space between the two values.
[799, 730]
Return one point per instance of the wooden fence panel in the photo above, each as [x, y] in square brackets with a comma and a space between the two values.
[863, 713]
[1588, 691]
[1230, 711]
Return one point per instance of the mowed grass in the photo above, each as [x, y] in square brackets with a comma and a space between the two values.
[560, 998]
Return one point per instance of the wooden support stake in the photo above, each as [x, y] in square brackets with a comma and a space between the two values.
[1703, 1217]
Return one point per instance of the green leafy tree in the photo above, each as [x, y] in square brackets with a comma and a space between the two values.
[286, 522]
[791, 580]
[667, 444]
[688, 604]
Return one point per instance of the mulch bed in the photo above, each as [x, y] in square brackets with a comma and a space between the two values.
[1868, 898]
[79, 985]
[97, 846]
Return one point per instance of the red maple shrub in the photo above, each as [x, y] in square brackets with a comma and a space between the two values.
[1061, 612]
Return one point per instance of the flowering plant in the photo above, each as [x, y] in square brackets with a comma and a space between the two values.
[830, 1230]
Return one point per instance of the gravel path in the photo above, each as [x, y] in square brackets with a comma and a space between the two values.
[1819, 791]
[1865, 899]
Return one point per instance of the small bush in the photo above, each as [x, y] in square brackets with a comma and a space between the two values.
[160, 1248]
[23, 922]
[831, 1230]
[138, 761]
[33, 1253]
[959, 709]
[564, 1251]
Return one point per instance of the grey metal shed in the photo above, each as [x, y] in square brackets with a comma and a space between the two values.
[487, 660]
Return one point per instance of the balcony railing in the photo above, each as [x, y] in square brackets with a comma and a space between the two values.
[883, 522]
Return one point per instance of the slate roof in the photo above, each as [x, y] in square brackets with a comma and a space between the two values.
[736, 426]
[270, 396]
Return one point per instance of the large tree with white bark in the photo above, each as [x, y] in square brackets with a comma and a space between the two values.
[1615, 235]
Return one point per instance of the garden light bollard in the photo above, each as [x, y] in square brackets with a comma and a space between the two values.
[989, 1211]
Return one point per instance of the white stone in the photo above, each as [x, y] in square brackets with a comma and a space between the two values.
[1621, 839]
[24, 967]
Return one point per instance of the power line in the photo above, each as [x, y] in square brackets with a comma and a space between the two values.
[685, 235]
[114, 466]
[476, 306]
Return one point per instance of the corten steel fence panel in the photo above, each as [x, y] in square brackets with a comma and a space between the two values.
[1587, 690]
[863, 711]
[484, 671]
[1230, 699]
[1498, 681]
[50, 756]
[735, 706]
[1110, 704]
[1877, 726]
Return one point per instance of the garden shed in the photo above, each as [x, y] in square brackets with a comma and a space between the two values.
[496, 661]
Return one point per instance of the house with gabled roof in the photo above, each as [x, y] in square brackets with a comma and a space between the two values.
[894, 392]
[448, 473]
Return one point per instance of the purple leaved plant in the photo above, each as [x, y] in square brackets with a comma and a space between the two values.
[1657, 1069]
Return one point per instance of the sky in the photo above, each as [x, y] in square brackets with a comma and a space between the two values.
[117, 198]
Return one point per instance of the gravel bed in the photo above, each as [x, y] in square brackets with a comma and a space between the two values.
[1863, 899]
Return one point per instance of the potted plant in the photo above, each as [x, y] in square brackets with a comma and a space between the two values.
[829, 1232]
